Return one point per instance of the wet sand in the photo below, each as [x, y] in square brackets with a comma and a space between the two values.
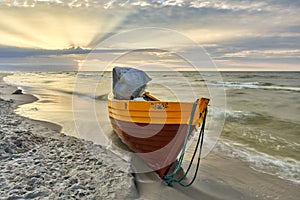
[220, 176]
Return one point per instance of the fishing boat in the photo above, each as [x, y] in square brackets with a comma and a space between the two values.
[154, 129]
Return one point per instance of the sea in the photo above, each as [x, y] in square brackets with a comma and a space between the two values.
[253, 116]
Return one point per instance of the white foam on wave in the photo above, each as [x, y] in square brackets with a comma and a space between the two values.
[231, 114]
[283, 167]
[238, 114]
[10, 80]
[254, 85]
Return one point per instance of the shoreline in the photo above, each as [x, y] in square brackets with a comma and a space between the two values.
[6, 94]
[220, 176]
[37, 161]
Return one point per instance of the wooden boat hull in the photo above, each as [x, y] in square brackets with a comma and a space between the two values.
[154, 131]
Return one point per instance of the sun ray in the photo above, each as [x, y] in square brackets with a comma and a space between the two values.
[56, 27]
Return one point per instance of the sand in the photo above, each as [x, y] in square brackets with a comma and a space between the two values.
[39, 162]
[43, 163]
[222, 177]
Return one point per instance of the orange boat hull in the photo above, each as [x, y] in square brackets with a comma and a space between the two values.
[160, 150]
[155, 130]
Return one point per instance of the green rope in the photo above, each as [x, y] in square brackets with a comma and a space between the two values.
[185, 142]
[169, 179]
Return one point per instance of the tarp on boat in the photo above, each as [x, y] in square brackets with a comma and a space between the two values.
[128, 83]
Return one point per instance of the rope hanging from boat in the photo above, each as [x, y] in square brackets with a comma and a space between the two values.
[169, 178]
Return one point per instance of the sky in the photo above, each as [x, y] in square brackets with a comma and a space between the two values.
[239, 35]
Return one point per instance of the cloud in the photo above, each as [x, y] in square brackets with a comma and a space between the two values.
[250, 5]
[56, 27]
[231, 30]
[85, 26]
[270, 53]
[13, 58]
[12, 52]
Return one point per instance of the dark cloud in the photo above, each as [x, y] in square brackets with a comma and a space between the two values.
[11, 52]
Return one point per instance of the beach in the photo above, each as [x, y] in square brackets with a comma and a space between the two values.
[220, 178]
[38, 161]
[66, 133]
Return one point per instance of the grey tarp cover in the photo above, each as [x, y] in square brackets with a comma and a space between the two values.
[128, 83]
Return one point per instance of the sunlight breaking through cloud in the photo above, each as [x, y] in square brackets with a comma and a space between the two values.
[56, 27]
[230, 30]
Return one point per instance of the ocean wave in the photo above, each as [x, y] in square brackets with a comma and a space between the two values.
[283, 167]
[255, 85]
[39, 79]
[237, 115]
[13, 82]
[232, 115]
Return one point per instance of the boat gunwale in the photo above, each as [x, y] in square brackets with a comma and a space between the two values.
[123, 110]
[111, 99]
